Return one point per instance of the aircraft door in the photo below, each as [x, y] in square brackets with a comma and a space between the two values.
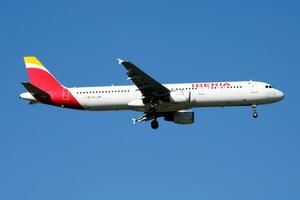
[66, 94]
[253, 88]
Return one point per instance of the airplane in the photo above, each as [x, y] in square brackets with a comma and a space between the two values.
[169, 101]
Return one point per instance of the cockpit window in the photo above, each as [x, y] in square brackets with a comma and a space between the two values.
[268, 86]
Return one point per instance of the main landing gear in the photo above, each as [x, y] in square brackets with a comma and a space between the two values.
[149, 115]
[254, 112]
[154, 124]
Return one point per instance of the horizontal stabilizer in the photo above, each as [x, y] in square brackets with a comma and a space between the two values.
[35, 91]
[33, 102]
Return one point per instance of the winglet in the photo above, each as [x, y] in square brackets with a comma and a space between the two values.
[120, 61]
[134, 120]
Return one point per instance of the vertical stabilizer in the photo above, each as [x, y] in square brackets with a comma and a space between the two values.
[40, 77]
[45, 88]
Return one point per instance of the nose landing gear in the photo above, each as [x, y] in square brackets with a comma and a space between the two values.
[254, 112]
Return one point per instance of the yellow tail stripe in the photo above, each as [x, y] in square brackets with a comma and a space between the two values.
[33, 60]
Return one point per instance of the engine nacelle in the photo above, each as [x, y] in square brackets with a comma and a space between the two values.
[180, 96]
[181, 117]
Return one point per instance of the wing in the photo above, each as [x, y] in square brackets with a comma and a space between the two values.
[150, 88]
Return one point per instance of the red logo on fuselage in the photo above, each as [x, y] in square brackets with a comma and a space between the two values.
[210, 85]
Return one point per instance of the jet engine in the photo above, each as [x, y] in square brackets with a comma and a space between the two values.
[180, 96]
[181, 117]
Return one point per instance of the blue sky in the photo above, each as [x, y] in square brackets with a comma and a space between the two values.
[52, 153]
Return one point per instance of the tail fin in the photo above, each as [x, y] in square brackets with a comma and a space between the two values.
[45, 88]
[40, 77]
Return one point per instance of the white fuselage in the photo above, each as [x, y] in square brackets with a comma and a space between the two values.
[209, 94]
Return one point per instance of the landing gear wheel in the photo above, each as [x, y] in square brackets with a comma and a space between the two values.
[255, 115]
[154, 124]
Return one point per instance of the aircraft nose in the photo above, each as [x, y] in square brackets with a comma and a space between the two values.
[280, 94]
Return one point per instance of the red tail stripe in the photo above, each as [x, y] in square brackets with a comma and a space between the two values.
[46, 82]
